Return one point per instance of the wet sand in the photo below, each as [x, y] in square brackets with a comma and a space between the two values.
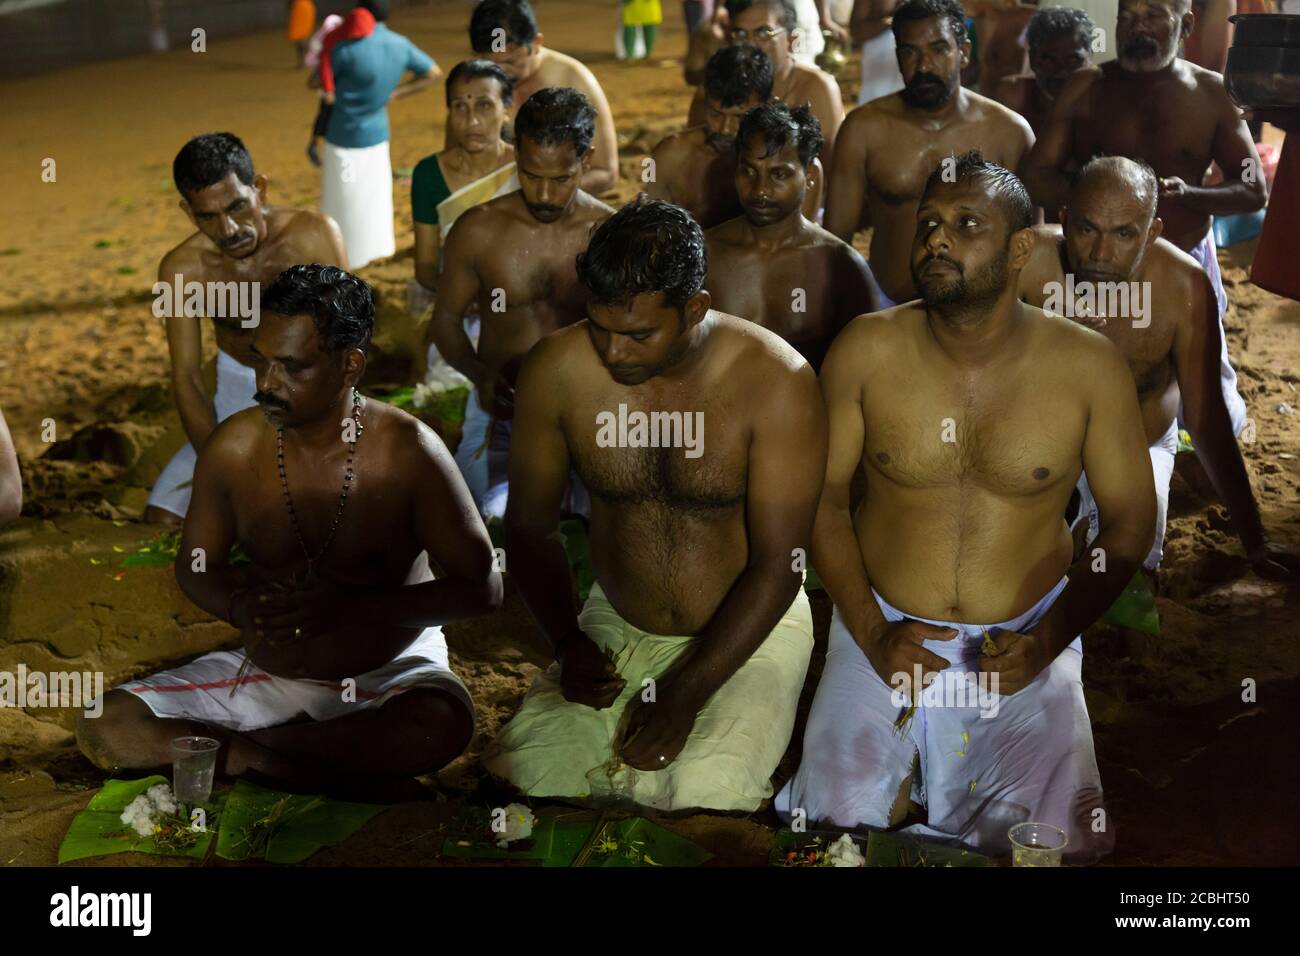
[1192, 773]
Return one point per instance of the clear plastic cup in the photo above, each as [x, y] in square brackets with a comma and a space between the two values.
[612, 789]
[194, 762]
[1036, 844]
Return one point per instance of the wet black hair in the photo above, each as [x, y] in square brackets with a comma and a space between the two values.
[1118, 167]
[1052, 22]
[342, 306]
[647, 246]
[557, 115]
[789, 15]
[378, 7]
[478, 70]
[737, 74]
[1002, 182]
[207, 159]
[913, 11]
[514, 16]
[779, 126]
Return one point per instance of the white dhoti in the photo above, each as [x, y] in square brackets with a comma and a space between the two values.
[1206, 254]
[880, 73]
[981, 768]
[357, 193]
[236, 385]
[1162, 470]
[554, 748]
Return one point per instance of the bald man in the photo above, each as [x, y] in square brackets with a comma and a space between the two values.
[1148, 104]
[1155, 303]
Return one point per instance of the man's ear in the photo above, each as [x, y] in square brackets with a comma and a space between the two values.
[260, 182]
[1187, 23]
[354, 366]
[537, 40]
[1022, 248]
[1155, 231]
[697, 307]
[586, 157]
[965, 52]
[1063, 217]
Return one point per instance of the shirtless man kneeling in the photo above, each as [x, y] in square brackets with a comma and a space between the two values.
[676, 686]
[887, 146]
[771, 265]
[514, 255]
[344, 505]
[240, 240]
[1164, 327]
[970, 418]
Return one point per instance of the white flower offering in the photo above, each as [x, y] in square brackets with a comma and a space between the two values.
[519, 825]
[142, 813]
[844, 852]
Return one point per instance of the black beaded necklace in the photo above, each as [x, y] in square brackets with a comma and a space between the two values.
[310, 578]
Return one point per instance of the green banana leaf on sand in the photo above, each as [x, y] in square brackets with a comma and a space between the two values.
[98, 830]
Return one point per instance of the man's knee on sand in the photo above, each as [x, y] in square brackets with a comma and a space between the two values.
[425, 730]
[122, 736]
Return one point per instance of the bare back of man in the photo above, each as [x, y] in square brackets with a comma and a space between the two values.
[976, 457]
[886, 151]
[804, 290]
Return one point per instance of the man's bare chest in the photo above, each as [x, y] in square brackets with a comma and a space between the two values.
[897, 175]
[1007, 439]
[1174, 132]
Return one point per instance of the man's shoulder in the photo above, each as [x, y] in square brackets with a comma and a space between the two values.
[478, 221]
[759, 353]
[681, 141]
[186, 257]
[875, 338]
[1204, 79]
[236, 439]
[571, 71]
[986, 109]
[1174, 270]
[726, 236]
[591, 208]
[811, 76]
[1066, 340]
[285, 221]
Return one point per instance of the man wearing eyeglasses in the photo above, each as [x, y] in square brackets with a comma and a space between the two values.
[773, 27]
[505, 32]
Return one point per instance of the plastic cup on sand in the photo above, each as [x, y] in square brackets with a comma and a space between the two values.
[194, 761]
[1036, 844]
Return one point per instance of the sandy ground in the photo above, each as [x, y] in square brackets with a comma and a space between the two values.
[1192, 774]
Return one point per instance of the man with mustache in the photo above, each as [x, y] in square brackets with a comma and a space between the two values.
[1060, 44]
[1110, 233]
[346, 508]
[239, 238]
[505, 32]
[772, 265]
[969, 417]
[696, 168]
[1150, 105]
[771, 26]
[514, 257]
[677, 684]
[888, 145]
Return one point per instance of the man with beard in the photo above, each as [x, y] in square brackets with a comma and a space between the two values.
[505, 32]
[1147, 104]
[241, 244]
[514, 255]
[1060, 44]
[343, 681]
[968, 414]
[770, 26]
[771, 265]
[1110, 237]
[696, 168]
[887, 145]
[677, 684]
